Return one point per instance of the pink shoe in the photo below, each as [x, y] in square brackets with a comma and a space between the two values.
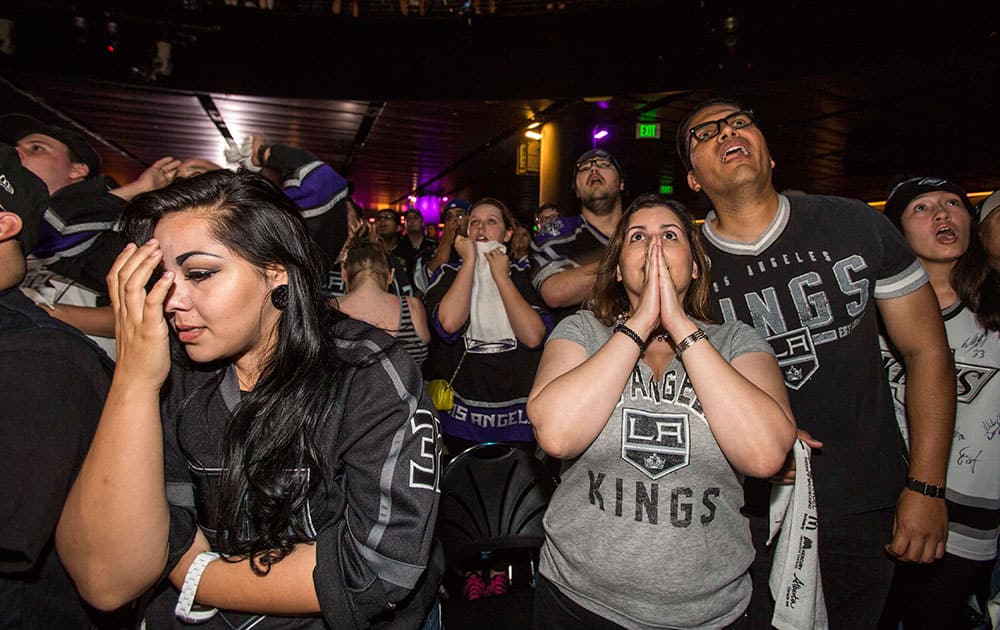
[498, 585]
[475, 587]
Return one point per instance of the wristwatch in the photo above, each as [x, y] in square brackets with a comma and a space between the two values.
[925, 488]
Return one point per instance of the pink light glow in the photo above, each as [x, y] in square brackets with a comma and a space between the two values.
[600, 134]
[430, 208]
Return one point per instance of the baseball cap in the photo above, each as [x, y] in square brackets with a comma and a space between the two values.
[907, 190]
[22, 193]
[13, 127]
[988, 205]
[455, 203]
[599, 154]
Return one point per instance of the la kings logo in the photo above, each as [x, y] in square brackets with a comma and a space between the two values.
[796, 356]
[970, 379]
[654, 443]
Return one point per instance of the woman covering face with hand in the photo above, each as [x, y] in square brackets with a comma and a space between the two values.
[659, 413]
[250, 442]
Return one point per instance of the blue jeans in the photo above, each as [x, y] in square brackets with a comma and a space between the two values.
[433, 620]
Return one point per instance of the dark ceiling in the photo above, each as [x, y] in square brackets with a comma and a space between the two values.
[850, 96]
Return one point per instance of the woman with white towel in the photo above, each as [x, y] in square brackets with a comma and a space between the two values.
[488, 328]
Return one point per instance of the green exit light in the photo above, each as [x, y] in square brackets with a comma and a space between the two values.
[666, 189]
[647, 130]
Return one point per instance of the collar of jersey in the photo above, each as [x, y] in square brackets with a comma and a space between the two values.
[765, 240]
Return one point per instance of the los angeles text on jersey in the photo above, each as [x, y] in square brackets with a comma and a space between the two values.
[492, 418]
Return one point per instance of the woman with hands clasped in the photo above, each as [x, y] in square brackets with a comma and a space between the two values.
[658, 412]
[275, 471]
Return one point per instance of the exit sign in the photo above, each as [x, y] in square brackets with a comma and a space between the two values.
[647, 130]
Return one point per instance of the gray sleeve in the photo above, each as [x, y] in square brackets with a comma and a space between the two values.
[572, 328]
[743, 339]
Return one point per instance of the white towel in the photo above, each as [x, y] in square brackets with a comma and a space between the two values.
[795, 574]
[489, 328]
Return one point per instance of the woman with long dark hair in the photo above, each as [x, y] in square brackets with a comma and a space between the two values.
[658, 413]
[283, 466]
[939, 223]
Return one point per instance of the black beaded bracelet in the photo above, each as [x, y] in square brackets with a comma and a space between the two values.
[631, 334]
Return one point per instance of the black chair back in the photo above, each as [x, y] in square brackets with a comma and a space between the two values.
[493, 498]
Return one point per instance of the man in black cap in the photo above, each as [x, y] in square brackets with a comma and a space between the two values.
[53, 382]
[455, 215]
[77, 242]
[566, 250]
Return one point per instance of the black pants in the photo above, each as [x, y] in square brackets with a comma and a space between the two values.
[934, 595]
[853, 564]
[554, 611]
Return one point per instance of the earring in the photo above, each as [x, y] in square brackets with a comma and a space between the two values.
[279, 296]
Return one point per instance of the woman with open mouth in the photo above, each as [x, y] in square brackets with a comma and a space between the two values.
[939, 223]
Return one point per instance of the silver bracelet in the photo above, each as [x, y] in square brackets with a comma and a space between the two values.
[689, 341]
[185, 600]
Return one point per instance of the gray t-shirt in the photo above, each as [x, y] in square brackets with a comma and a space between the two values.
[645, 529]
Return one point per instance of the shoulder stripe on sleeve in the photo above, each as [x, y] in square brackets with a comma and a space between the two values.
[396, 445]
[903, 283]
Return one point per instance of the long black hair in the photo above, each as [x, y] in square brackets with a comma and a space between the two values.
[272, 430]
[977, 283]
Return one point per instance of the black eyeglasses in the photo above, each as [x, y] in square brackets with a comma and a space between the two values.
[707, 130]
[585, 166]
[387, 217]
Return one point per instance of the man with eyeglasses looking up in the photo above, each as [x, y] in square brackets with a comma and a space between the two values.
[566, 250]
[812, 274]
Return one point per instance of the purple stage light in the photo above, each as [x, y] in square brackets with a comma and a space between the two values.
[600, 134]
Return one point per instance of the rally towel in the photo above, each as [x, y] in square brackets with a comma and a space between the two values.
[489, 328]
[795, 575]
